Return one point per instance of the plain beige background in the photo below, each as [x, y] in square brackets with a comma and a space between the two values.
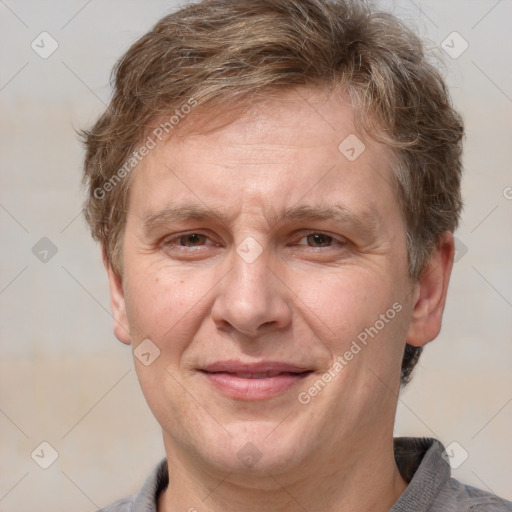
[65, 379]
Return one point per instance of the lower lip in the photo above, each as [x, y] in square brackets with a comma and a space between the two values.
[253, 389]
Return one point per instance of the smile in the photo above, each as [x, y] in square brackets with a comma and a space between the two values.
[259, 381]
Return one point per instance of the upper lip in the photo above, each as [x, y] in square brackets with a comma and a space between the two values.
[259, 367]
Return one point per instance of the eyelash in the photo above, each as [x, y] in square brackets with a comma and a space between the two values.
[333, 240]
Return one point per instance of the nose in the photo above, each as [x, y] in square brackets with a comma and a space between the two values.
[252, 300]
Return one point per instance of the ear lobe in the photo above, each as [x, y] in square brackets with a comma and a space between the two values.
[430, 294]
[117, 303]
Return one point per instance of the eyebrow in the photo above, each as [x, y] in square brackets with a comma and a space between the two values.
[365, 222]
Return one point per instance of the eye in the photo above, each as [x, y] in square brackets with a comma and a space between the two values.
[191, 246]
[192, 240]
[185, 241]
[319, 240]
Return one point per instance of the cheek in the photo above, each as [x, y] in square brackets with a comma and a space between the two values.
[361, 316]
[346, 301]
[164, 305]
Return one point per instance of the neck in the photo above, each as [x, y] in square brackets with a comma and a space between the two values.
[361, 478]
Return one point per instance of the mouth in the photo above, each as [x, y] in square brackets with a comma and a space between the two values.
[258, 381]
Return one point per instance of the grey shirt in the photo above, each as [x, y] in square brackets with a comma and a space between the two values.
[420, 461]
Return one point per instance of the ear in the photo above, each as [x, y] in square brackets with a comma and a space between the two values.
[117, 302]
[430, 294]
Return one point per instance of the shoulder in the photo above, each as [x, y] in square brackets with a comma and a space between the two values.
[122, 505]
[146, 499]
[424, 464]
[457, 497]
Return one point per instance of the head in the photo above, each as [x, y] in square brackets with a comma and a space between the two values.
[241, 108]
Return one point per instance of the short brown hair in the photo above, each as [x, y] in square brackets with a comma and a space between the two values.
[225, 53]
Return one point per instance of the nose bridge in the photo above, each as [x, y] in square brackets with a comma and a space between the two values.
[250, 297]
[250, 274]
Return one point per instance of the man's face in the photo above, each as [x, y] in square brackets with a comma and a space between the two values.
[256, 257]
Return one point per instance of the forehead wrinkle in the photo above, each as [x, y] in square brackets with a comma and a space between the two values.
[366, 222]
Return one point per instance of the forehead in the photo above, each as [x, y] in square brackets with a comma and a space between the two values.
[302, 146]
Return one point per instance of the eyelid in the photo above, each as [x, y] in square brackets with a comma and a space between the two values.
[176, 236]
[336, 238]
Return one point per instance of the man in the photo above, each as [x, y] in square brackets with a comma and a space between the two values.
[275, 185]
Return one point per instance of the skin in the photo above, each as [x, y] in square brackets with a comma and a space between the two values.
[303, 300]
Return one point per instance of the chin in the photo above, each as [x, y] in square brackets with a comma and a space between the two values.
[255, 449]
